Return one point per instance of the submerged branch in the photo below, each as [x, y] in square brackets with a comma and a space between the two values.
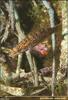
[16, 91]
[5, 35]
[21, 36]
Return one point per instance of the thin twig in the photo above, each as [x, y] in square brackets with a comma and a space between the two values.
[52, 15]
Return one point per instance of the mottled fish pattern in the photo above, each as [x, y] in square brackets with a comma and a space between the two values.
[31, 40]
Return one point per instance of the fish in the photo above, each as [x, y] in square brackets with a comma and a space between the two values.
[32, 40]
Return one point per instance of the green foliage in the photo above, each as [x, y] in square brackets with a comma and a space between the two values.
[61, 89]
[54, 1]
[29, 14]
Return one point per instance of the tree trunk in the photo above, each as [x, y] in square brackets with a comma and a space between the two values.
[64, 48]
